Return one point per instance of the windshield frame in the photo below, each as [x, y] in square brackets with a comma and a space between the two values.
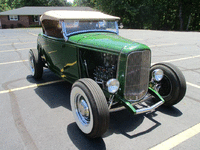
[67, 35]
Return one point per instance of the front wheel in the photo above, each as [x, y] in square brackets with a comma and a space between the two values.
[89, 107]
[173, 85]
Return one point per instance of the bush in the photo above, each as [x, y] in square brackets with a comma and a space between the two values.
[33, 26]
[12, 26]
[4, 26]
[19, 25]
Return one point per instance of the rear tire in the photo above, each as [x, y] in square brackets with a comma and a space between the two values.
[36, 64]
[89, 107]
[173, 84]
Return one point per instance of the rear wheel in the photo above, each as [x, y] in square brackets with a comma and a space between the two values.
[36, 64]
[173, 85]
[89, 107]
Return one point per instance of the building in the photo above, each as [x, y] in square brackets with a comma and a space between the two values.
[29, 16]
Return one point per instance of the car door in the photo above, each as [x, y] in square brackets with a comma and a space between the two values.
[61, 57]
[66, 60]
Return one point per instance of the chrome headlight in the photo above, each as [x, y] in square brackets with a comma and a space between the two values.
[113, 85]
[157, 75]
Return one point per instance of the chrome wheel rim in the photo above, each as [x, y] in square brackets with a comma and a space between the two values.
[31, 64]
[82, 110]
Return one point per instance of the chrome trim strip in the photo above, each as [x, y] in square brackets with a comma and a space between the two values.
[66, 35]
[149, 109]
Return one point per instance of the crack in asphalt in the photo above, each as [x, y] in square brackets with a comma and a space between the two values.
[18, 120]
[20, 55]
[194, 99]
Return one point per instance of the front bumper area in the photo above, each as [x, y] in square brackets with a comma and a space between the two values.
[136, 111]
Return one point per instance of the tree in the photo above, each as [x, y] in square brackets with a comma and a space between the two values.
[140, 14]
[11, 4]
[154, 14]
[86, 3]
[4, 5]
[16, 4]
[57, 3]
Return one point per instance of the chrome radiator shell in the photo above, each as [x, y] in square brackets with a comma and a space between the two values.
[137, 75]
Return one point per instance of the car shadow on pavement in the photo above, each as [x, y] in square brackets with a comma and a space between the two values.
[54, 95]
[123, 122]
[172, 111]
[58, 94]
[168, 110]
[81, 141]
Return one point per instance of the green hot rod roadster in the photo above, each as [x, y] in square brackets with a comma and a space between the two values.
[107, 71]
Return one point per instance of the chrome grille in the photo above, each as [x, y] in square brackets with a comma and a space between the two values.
[137, 75]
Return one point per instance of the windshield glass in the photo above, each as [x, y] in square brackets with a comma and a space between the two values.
[75, 26]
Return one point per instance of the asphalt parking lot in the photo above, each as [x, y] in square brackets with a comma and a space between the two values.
[37, 114]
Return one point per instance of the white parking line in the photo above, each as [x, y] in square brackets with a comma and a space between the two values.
[9, 39]
[191, 84]
[162, 45]
[12, 62]
[137, 39]
[179, 59]
[185, 58]
[33, 34]
[177, 139]
[17, 43]
[14, 50]
[30, 86]
[13, 38]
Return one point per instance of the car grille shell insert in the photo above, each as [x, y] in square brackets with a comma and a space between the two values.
[137, 75]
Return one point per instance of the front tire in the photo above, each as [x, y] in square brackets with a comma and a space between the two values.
[89, 107]
[173, 85]
[36, 64]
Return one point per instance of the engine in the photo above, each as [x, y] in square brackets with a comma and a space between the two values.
[99, 66]
[107, 70]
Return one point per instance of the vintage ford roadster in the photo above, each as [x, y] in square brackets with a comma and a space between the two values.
[107, 71]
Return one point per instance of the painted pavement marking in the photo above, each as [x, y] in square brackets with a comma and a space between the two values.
[194, 85]
[11, 39]
[33, 34]
[162, 45]
[2, 51]
[12, 62]
[185, 58]
[177, 139]
[30, 86]
[137, 39]
[17, 43]
[179, 59]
